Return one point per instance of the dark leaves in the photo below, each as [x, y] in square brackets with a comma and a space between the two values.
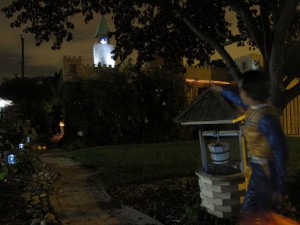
[45, 19]
[148, 27]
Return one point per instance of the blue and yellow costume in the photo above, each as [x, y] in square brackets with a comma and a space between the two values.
[266, 146]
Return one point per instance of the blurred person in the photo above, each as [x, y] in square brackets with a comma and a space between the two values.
[266, 147]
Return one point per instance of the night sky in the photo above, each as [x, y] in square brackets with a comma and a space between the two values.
[42, 60]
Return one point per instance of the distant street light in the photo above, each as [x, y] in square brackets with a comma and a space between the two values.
[3, 104]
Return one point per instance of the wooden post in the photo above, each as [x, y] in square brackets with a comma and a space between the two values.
[243, 155]
[1, 117]
[203, 152]
[22, 43]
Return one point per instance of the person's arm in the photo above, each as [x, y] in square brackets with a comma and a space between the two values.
[229, 95]
[232, 96]
[271, 129]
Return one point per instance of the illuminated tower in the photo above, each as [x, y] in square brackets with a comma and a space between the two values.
[102, 49]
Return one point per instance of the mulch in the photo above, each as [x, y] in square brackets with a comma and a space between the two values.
[12, 206]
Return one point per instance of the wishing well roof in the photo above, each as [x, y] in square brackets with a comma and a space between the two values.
[210, 107]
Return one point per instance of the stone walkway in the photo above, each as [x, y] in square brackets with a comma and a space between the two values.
[76, 201]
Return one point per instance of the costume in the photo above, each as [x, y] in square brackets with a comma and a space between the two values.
[265, 143]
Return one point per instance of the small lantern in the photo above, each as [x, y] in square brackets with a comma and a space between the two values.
[27, 140]
[11, 159]
[61, 126]
[21, 146]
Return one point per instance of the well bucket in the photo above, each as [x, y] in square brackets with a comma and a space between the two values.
[219, 152]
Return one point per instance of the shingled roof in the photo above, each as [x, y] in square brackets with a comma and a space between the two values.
[102, 29]
[209, 107]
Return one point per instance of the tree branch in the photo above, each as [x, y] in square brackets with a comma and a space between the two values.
[231, 39]
[274, 9]
[267, 35]
[244, 12]
[235, 38]
[219, 48]
[287, 13]
[223, 35]
[290, 94]
[276, 59]
[288, 79]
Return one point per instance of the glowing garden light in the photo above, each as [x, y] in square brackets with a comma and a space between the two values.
[27, 140]
[3, 104]
[11, 159]
[21, 146]
[62, 127]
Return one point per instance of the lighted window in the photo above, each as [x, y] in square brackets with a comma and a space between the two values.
[104, 40]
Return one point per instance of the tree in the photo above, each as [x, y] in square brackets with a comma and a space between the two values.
[120, 107]
[179, 28]
[33, 98]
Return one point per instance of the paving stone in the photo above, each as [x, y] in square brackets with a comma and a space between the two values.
[77, 201]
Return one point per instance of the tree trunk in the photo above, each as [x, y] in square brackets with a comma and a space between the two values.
[276, 66]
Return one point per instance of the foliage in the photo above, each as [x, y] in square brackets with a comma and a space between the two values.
[28, 162]
[161, 99]
[123, 107]
[24, 129]
[33, 101]
[3, 170]
[177, 28]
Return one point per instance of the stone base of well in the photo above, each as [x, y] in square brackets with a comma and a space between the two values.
[222, 190]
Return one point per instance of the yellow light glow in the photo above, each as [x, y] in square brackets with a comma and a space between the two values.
[268, 218]
[206, 81]
[239, 119]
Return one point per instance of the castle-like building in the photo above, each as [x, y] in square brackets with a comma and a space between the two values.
[197, 77]
[102, 50]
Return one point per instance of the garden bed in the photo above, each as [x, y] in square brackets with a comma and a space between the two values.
[170, 201]
[12, 206]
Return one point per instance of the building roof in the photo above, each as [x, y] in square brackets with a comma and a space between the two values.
[102, 29]
[210, 107]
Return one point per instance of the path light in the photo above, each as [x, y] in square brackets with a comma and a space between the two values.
[62, 128]
[11, 159]
[24, 142]
[27, 140]
[21, 146]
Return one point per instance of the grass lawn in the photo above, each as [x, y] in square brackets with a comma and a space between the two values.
[142, 163]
